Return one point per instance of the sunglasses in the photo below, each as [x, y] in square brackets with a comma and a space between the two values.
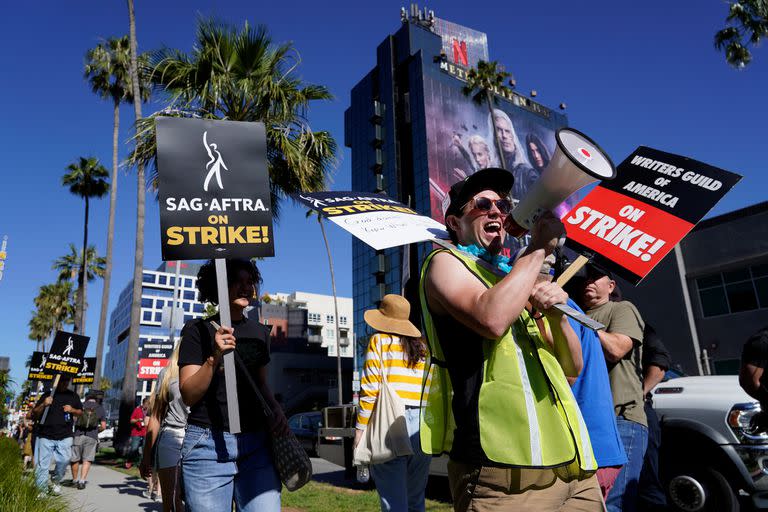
[484, 204]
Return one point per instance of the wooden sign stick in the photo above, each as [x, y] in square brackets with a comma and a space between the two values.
[230, 377]
[53, 392]
[574, 267]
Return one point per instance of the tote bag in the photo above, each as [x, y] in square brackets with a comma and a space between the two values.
[386, 435]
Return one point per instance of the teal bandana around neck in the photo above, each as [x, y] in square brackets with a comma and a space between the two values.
[499, 261]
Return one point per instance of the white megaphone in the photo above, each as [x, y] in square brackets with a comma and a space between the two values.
[577, 162]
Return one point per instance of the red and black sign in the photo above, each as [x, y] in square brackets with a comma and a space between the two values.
[633, 221]
[66, 354]
[151, 368]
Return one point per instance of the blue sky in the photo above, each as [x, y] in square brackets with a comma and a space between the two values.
[631, 73]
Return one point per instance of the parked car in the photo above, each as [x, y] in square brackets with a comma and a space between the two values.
[306, 426]
[711, 453]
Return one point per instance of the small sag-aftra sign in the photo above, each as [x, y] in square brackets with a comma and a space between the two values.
[37, 368]
[214, 189]
[66, 354]
[87, 372]
[631, 222]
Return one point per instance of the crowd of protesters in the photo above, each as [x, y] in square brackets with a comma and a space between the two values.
[535, 410]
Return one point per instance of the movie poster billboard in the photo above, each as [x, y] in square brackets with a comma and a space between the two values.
[460, 136]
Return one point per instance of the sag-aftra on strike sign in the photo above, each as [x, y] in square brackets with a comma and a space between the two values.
[633, 221]
[214, 189]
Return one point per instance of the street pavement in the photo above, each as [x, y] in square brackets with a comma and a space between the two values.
[113, 491]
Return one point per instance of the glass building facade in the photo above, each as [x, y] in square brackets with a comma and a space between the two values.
[412, 133]
[154, 332]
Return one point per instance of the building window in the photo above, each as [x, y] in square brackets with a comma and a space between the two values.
[188, 283]
[330, 334]
[329, 319]
[147, 316]
[148, 278]
[314, 317]
[189, 295]
[198, 308]
[162, 279]
[146, 303]
[734, 291]
[342, 320]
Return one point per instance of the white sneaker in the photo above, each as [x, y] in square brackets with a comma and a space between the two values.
[56, 490]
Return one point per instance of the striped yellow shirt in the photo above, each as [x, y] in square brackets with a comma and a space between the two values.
[388, 349]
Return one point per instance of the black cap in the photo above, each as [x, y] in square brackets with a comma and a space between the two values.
[596, 271]
[491, 178]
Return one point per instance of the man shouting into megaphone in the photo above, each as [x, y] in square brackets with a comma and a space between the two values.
[512, 428]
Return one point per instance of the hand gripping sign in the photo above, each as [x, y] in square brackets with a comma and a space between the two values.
[65, 357]
[632, 222]
[215, 203]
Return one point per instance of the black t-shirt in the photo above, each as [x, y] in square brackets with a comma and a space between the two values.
[58, 424]
[252, 345]
[755, 352]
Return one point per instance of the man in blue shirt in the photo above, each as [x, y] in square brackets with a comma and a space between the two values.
[592, 390]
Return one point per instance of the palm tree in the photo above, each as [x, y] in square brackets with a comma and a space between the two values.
[85, 178]
[335, 302]
[747, 24]
[70, 264]
[39, 330]
[107, 70]
[128, 393]
[54, 306]
[482, 83]
[242, 75]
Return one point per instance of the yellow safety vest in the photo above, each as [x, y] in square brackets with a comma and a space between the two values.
[527, 413]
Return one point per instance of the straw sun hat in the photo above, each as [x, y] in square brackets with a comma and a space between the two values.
[392, 317]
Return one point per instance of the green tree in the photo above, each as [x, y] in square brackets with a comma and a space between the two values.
[482, 83]
[107, 70]
[54, 306]
[69, 267]
[242, 75]
[746, 25]
[85, 178]
[39, 330]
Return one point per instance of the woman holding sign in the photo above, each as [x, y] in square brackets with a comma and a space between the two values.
[218, 466]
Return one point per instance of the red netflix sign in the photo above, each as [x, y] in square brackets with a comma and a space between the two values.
[633, 221]
[151, 368]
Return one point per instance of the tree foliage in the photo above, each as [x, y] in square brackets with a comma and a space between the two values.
[242, 75]
[746, 26]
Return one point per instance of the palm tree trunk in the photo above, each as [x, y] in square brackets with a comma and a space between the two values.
[336, 311]
[81, 280]
[128, 398]
[489, 100]
[110, 239]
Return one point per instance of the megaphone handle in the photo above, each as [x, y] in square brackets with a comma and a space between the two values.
[577, 264]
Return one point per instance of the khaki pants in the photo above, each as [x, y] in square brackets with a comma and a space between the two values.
[489, 489]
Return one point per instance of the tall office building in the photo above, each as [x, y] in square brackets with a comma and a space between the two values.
[413, 133]
[155, 346]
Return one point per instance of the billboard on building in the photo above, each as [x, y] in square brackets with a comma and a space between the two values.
[460, 135]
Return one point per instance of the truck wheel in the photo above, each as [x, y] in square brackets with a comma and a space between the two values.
[701, 490]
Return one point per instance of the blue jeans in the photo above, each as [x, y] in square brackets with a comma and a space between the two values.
[401, 481]
[45, 449]
[623, 496]
[218, 467]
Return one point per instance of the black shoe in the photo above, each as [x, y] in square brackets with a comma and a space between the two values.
[81, 485]
[69, 483]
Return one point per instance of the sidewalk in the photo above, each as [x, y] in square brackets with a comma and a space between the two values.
[112, 491]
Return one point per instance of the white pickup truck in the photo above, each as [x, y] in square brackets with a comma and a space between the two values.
[711, 457]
